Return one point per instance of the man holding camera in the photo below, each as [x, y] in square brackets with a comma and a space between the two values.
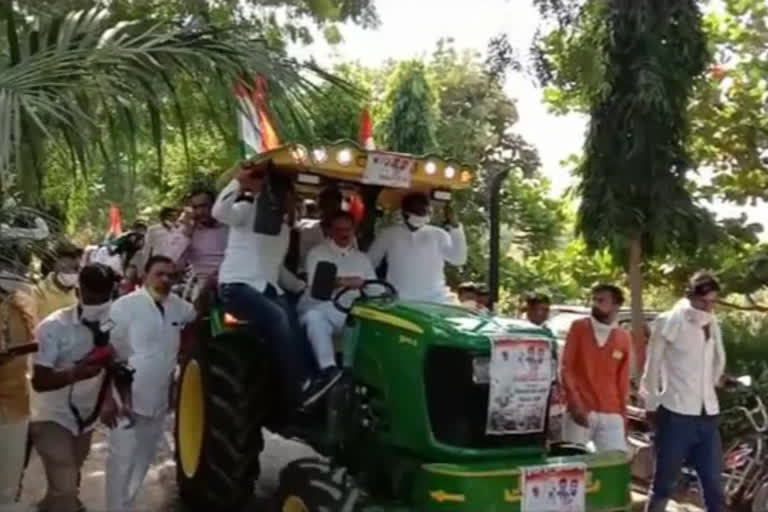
[66, 380]
[146, 333]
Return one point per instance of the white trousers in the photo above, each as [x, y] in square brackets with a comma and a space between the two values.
[131, 452]
[322, 322]
[13, 448]
[605, 431]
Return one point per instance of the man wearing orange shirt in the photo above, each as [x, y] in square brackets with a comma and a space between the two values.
[595, 374]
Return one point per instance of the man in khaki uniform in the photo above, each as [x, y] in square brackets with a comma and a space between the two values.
[16, 328]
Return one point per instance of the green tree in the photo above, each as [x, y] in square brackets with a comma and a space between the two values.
[633, 178]
[410, 124]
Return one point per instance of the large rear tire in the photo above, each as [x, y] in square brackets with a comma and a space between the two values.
[221, 407]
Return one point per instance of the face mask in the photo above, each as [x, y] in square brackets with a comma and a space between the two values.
[699, 317]
[67, 280]
[470, 304]
[95, 312]
[336, 247]
[417, 221]
[600, 316]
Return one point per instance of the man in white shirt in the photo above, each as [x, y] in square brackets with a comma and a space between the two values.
[252, 267]
[312, 231]
[66, 384]
[321, 318]
[686, 342]
[416, 252]
[157, 239]
[146, 332]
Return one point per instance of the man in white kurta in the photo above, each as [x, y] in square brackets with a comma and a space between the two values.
[416, 252]
[146, 333]
[321, 318]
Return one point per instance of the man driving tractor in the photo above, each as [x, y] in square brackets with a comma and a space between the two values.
[416, 252]
[322, 318]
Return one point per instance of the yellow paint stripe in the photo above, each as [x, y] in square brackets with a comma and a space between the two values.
[386, 318]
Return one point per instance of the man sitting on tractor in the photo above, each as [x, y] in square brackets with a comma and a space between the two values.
[253, 261]
[313, 232]
[322, 318]
[416, 252]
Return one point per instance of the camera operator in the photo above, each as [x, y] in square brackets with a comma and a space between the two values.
[67, 379]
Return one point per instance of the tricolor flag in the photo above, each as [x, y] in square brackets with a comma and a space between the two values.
[366, 130]
[115, 223]
[253, 125]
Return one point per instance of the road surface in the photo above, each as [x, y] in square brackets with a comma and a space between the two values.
[159, 493]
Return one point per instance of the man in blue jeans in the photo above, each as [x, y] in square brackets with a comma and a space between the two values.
[258, 242]
[687, 344]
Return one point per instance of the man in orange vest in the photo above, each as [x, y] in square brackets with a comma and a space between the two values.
[595, 374]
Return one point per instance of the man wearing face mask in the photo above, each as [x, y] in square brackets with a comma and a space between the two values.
[66, 380]
[58, 289]
[146, 333]
[686, 342]
[595, 374]
[321, 318]
[416, 252]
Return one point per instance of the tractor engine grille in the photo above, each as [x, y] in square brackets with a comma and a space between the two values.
[458, 407]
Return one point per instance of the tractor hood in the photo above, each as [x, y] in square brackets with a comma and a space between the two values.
[445, 324]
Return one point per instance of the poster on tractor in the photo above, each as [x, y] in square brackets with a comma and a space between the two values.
[554, 488]
[520, 382]
[388, 169]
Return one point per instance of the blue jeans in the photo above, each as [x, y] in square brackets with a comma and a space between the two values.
[680, 438]
[268, 315]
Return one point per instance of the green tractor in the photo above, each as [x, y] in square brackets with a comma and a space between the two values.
[409, 426]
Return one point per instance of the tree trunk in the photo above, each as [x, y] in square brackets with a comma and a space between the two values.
[639, 340]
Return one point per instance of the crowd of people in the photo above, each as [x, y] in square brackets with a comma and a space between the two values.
[101, 319]
[108, 318]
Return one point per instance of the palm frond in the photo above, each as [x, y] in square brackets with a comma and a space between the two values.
[80, 66]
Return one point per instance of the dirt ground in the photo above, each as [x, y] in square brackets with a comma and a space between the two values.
[159, 493]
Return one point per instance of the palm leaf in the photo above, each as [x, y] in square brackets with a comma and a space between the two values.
[132, 65]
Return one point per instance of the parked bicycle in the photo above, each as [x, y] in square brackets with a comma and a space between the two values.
[745, 475]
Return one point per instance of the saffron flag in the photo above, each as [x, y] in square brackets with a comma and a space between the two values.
[115, 222]
[255, 129]
[366, 130]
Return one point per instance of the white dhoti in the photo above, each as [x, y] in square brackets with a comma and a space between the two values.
[322, 321]
[131, 452]
[606, 431]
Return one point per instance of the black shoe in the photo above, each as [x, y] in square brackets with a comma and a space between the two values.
[320, 385]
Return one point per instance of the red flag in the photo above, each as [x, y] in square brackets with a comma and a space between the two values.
[269, 139]
[356, 208]
[366, 130]
[115, 222]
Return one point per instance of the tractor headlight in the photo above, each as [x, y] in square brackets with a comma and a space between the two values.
[481, 370]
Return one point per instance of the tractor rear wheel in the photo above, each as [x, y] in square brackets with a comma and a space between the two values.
[313, 485]
[222, 403]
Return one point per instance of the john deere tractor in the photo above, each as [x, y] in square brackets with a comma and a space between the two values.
[408, 426]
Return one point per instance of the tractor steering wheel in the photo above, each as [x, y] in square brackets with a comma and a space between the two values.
[389, 293]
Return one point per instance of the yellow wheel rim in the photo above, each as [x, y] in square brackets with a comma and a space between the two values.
[191, 423]
[294, 504]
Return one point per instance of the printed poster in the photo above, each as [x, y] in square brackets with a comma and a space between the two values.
[558, 488]
[520, 380]
[388, 170]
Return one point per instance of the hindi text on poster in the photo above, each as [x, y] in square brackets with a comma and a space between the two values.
[388, 170]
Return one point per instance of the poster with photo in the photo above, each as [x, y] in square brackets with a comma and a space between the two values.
[558, 488]
[520, 381]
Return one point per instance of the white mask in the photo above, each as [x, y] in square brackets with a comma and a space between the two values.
[337, 248]
[67, 280]
[95, 312]
[469, 304]
[417, 221]
[699, 317]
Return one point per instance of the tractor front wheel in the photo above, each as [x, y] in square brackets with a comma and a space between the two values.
[312, 485]
[220, 411]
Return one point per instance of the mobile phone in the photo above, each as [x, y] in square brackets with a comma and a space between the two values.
[324, 281]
